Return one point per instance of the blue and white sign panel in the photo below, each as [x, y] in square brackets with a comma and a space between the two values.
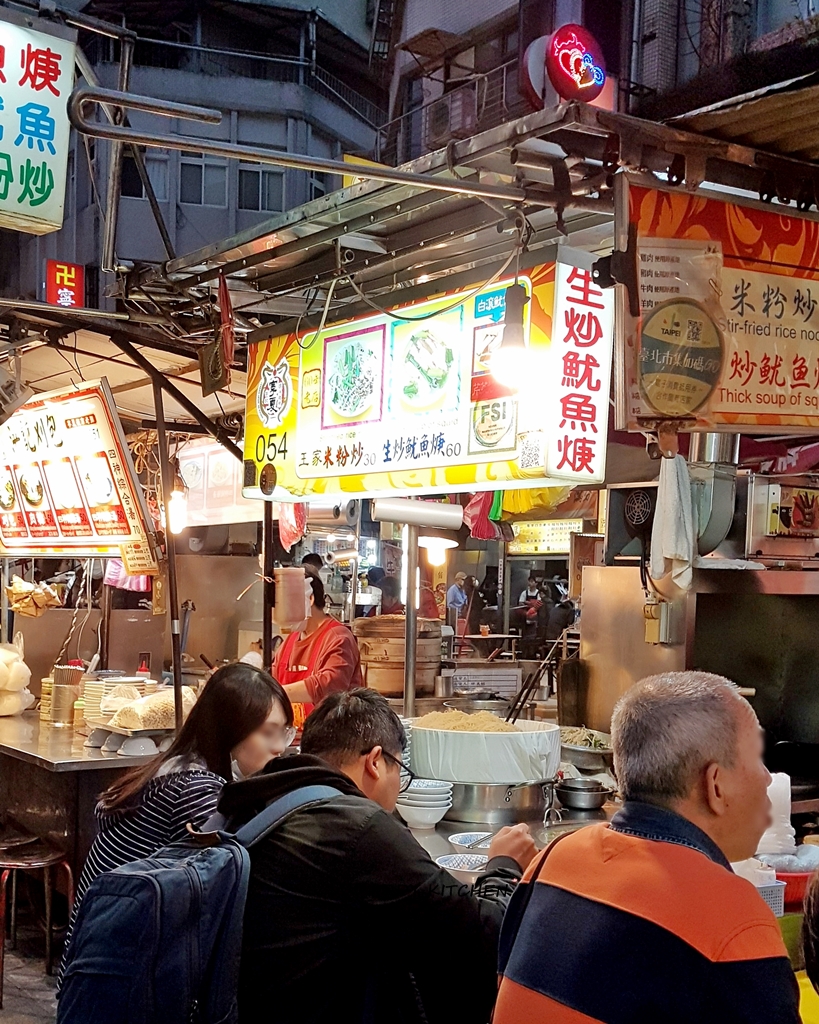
[36, 79]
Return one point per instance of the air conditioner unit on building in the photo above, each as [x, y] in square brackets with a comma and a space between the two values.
[453, 116]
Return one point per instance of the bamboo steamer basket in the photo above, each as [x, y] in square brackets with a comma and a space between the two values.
[381, 643]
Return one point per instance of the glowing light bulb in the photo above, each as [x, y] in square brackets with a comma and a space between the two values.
[510, 366]
[177, 511]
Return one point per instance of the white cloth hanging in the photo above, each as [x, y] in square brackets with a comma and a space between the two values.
[673, 534]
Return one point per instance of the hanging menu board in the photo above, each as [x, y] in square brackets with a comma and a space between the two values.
[408, 401]
[67, 483]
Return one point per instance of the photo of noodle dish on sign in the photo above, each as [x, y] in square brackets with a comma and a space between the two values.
[354, 368]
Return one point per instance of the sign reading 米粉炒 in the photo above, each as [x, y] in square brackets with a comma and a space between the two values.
[36, 78]
[409, 403]
[728, 335]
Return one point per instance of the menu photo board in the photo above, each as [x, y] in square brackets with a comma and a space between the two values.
[408, 401]
[67, 483]
[728, 332]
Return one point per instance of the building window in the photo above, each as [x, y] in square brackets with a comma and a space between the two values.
[320, 185]
[261, 189]
[202, 180]
[157, 168]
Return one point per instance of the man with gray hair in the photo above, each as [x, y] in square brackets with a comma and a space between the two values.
[651, 897]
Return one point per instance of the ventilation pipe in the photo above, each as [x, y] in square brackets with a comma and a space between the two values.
[713, 460]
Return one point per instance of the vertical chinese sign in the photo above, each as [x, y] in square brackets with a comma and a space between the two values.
[36, 78]
[728, 334]
[580, 375]
[65, 283]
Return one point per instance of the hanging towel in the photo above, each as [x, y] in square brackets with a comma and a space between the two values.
[673, 534]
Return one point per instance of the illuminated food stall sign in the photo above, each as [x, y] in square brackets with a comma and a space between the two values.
[67, 483]
[410, 402]
[549, 537]
[575, 64]
[213, 482]
[65, 283]
[36, 79]
[729, 325]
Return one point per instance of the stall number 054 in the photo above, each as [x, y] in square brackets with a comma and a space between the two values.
[269, 447]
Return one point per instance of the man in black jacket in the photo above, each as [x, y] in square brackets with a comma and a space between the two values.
[348, 919]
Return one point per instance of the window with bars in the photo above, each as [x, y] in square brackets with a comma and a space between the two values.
[202, 180]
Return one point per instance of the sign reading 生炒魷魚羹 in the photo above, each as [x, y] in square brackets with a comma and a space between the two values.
[36, 78]
[408, 402]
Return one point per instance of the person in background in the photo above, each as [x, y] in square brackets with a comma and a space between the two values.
[561, 616]
[652, 895]
[532, 591]
[456, 596]
[391, 603]
[319, 659]
[348, 919]
[313, 561]
[242, 719]
[374, 574]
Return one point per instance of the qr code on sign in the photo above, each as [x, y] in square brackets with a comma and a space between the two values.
[530, 454]
[694, 332]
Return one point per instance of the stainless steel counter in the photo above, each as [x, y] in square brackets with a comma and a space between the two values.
[55, 748]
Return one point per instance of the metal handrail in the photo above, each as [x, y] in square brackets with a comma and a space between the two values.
[296, 69]
[83, 97]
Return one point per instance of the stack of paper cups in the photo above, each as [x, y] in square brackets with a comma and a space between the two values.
[780, 837]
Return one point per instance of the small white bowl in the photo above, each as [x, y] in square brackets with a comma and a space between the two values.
[429, 786]
[113, 743]
[461, 841]
[138, 746]
[421, 817]
[431, 799]
[465, 867]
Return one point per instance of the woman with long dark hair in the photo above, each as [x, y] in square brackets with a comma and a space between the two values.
[242, 719]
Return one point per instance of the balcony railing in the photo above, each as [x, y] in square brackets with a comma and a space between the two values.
[486, 101]
[203, 60]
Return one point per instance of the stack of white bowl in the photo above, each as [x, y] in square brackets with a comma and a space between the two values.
[407, 755]
[425, 803]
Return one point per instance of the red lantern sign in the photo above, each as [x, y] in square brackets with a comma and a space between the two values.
[65, 283]
[575, 64]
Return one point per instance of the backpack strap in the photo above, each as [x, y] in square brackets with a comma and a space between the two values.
[269, 818]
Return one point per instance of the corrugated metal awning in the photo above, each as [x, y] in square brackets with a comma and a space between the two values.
[781, 118]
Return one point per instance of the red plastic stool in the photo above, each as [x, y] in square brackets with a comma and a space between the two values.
[30, 857]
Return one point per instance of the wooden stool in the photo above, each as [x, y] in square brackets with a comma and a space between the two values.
[30, 857]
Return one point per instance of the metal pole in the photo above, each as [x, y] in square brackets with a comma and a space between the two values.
[115, 167]
[268, 589]
[411, 639]
[161, 381]
[170, 552]
[504, 582]
[4, 605]
[106, 602]
[354, 577]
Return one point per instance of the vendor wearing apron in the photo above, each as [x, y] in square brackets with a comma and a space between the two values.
[318, 660]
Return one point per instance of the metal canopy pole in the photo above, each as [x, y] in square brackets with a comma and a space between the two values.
[411, 624]
[173, 595]
[109, 241]
[268, 589]
[159, 380]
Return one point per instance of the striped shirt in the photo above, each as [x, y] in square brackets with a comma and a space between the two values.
[167, 804]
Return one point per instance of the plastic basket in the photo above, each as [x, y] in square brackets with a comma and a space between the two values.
[774, 896]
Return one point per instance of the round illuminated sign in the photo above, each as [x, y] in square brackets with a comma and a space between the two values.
[574, 63]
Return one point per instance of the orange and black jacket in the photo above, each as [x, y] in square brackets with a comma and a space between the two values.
[641, 922]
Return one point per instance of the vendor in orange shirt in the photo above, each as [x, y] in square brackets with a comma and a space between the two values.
[321, 658]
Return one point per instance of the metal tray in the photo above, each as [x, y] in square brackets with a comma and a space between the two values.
[100, 723]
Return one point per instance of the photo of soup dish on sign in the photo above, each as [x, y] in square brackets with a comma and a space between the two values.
[425, 366]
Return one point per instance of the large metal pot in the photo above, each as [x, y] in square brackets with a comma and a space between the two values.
[501, 708]
[500, 804]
